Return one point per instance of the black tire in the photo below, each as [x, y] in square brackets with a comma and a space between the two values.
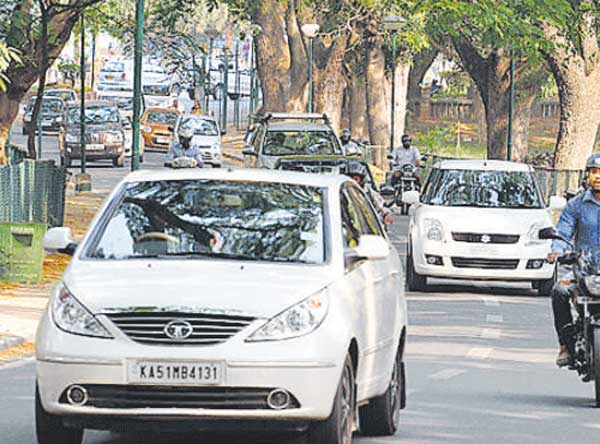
[596, 363]
[544, 287]
[50, 428]
[337, 429]
[25, 131]
[216, 165]
[414, 280]
[141, 158]
[119, 161]
[381, 416]
[66, 160]
[404, 209]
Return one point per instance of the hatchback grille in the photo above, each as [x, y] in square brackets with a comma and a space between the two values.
[208, 329]
[216, 398]
[491, 238]
[492, 264]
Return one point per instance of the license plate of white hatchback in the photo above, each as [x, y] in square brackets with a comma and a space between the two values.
[174, 373]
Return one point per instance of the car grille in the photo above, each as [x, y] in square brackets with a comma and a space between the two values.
[492, 264]
[95, 138]
[493, 238]
[208, 329]
[137, 396]
[206, 156]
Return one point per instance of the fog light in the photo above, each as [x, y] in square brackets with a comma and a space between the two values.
[278, 399]
[535, 264]
[434, 260]
[77, 395]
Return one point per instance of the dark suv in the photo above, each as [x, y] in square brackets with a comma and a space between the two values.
[104, 133]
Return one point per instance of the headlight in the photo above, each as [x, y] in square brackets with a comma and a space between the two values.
[433, 229]
[146, 129]
[592, 283]
[114, 138]
[532, 234]
[71, 138]
[298, 320]
[72, 317]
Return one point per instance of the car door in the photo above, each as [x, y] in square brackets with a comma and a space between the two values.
[250, 161]
[384, 280]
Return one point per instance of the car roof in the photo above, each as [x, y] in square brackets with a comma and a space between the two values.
[297, 126]
[477, 164]
[239, 174]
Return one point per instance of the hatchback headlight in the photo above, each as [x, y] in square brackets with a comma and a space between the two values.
[532, 235]
[298, 320]
[71, 138]
[592, 283]
[433, 229]
[146, 129]
[72, 317]
[114, 137]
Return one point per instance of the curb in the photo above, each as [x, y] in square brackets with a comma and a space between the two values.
[7, 342]
[234, 157]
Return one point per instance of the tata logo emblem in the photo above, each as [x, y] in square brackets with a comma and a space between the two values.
[486, 238]
[178, 330]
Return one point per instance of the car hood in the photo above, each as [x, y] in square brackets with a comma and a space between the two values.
[260, 290]
[100, 128]
[204, 140]
[486, 220]
[159, 127]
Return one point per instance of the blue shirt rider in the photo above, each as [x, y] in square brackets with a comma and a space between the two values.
[184, 148]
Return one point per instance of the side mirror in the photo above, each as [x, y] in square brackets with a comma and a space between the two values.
[557, 202]
[59, 240]
[372, 247]
[170, 129]
[223, 131]
[410, 197]
[549, 233]
[249, 150]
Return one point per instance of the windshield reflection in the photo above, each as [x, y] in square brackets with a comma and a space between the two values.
[227, 220]
[286, 143]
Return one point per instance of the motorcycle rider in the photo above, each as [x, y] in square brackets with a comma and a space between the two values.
[405, 155]
[578, 221]
[350, 146]
[184, 148]
[357, 171]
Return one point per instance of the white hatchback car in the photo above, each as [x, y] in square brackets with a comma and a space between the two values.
[229, 300]
[207, 137]
[479, 219]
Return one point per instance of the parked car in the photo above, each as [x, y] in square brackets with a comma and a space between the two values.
[52, 110]
[104, 133]
[116, 74]
[207, 136]
[479, 219]
[159, 87]
[286, 134]
[68, 95]
[157, 125]
[281, 278]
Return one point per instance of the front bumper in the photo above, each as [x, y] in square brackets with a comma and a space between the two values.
[463, 260]
[154, 140]
[110, 151]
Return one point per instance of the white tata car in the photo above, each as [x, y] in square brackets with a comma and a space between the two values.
[479, 219]
[207, 137]
[225, 300]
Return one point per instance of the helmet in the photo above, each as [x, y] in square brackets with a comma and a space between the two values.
[593, 161]
[185, 133]
[345, 133]
[357, 171]
[406, 138]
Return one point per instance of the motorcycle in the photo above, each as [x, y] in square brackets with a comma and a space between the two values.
[182, 162]
[583, 335]
[407, 180]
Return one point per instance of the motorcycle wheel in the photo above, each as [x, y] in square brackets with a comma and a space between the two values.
[596, 363]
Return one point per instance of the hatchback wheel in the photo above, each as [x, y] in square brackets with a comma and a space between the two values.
[381, 416]
[415, 281]
[50, 428]
[119, 161]
[337, 429]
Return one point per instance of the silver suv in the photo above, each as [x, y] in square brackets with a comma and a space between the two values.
[279, 135]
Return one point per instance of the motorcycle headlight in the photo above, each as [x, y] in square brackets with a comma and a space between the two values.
[592, 284]
[433, 229]
[298, 320]
[72, 317]
[71, 138]
[532, 235]
[114, 138]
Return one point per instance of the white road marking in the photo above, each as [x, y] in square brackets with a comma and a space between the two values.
[490, 301]
[17, 364]
[446, 374]
[491, 333]
[479, 352]
[494, 318]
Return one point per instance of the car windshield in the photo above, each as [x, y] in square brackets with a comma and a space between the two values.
[162, 117]
[49, 105]
[156, 90]
[94, 116]
[114, 67]
[222, 219]
[125, 103]
[487, 189]
[200, 126]
[289, 143]
[65, 95]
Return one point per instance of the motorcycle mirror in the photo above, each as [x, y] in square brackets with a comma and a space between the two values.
[549, 233]
[390, 157]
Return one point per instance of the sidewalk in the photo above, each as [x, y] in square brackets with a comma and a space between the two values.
[22, 305]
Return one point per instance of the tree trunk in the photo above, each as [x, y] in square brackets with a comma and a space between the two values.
[329, 88]
[401, 99]
[521, 121]
[421, 64]
[377, 106]
[479, 111]
[359, 124]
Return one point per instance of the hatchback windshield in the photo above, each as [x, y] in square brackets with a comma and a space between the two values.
[49, 105]
[162, 117]
[289, 143]
[125, 103]
[94, 116]
[205, 218]
[62, 94]
[478, 188]
[200, 126]
[114, 67]
[156, 90]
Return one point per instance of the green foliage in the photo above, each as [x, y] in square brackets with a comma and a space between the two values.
[7, 55]
[458, 84]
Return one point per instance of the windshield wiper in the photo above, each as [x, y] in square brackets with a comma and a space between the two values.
[209, 254]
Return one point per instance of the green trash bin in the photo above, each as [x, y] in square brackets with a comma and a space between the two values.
[21, 252]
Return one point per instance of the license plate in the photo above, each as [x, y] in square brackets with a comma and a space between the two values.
[166, 372]
[482, 250]
[163, 140]
[94, 147]
[109, 77]
[46, 123]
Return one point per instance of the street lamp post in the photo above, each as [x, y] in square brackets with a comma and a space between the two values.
[252, 92]
[511, 107]
[393, 23]
[82, 97]
[236, 109]
[310, 30]
[137, 83]
[225, 88]
[212, 33]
